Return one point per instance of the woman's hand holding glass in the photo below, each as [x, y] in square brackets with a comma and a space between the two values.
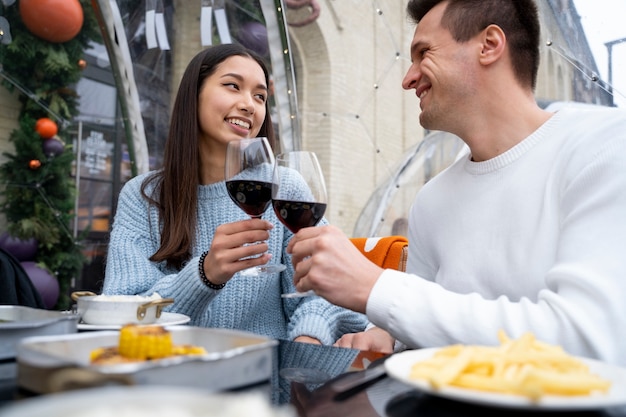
[230, 252]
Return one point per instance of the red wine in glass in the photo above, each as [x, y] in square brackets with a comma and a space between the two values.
[298, 194]
[253, 197]
[298, 214]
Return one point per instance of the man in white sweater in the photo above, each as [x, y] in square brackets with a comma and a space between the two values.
[527, 232]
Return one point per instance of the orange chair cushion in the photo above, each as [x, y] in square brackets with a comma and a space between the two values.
[388, 252]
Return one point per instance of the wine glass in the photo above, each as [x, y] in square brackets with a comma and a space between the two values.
[298, 194]
[248, 173]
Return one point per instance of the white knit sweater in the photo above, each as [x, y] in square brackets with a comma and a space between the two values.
[532, 240]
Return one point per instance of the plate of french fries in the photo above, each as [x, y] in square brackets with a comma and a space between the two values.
[518, 373]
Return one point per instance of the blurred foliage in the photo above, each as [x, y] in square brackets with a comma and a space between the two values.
[39, 202]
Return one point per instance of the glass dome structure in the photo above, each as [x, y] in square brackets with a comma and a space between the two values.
[131, 78]
[263, 26]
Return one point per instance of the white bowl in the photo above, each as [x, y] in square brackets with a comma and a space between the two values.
[119, 309]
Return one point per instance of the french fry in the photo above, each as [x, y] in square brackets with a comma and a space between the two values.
[523, 366]
[566, 383]
[451, 369]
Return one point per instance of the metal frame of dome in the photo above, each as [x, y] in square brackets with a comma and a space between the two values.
[283, 75]
[419, 164]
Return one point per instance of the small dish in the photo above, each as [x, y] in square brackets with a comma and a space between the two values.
[166, 319]
[119, 309]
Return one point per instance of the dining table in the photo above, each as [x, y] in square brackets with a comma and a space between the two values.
[328, 381]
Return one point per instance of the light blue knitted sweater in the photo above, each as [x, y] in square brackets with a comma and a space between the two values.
[250, 304]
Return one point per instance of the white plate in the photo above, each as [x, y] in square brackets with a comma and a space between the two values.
[166, 319]
[399, 367]
[145, 401]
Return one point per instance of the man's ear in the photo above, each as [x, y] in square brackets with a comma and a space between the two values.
[493, 44]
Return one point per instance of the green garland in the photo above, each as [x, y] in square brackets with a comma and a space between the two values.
[39, 202]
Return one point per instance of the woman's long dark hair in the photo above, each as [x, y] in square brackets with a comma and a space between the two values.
[176, 184]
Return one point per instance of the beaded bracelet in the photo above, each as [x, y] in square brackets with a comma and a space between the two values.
[203, 276]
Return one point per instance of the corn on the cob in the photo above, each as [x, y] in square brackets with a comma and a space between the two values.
[145, 342]
[140, 343]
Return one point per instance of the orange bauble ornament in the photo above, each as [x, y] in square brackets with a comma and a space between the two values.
[52, 20]
[46, 128]
[34, 164]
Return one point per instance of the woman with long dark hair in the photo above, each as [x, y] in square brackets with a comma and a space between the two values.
[177, 233]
